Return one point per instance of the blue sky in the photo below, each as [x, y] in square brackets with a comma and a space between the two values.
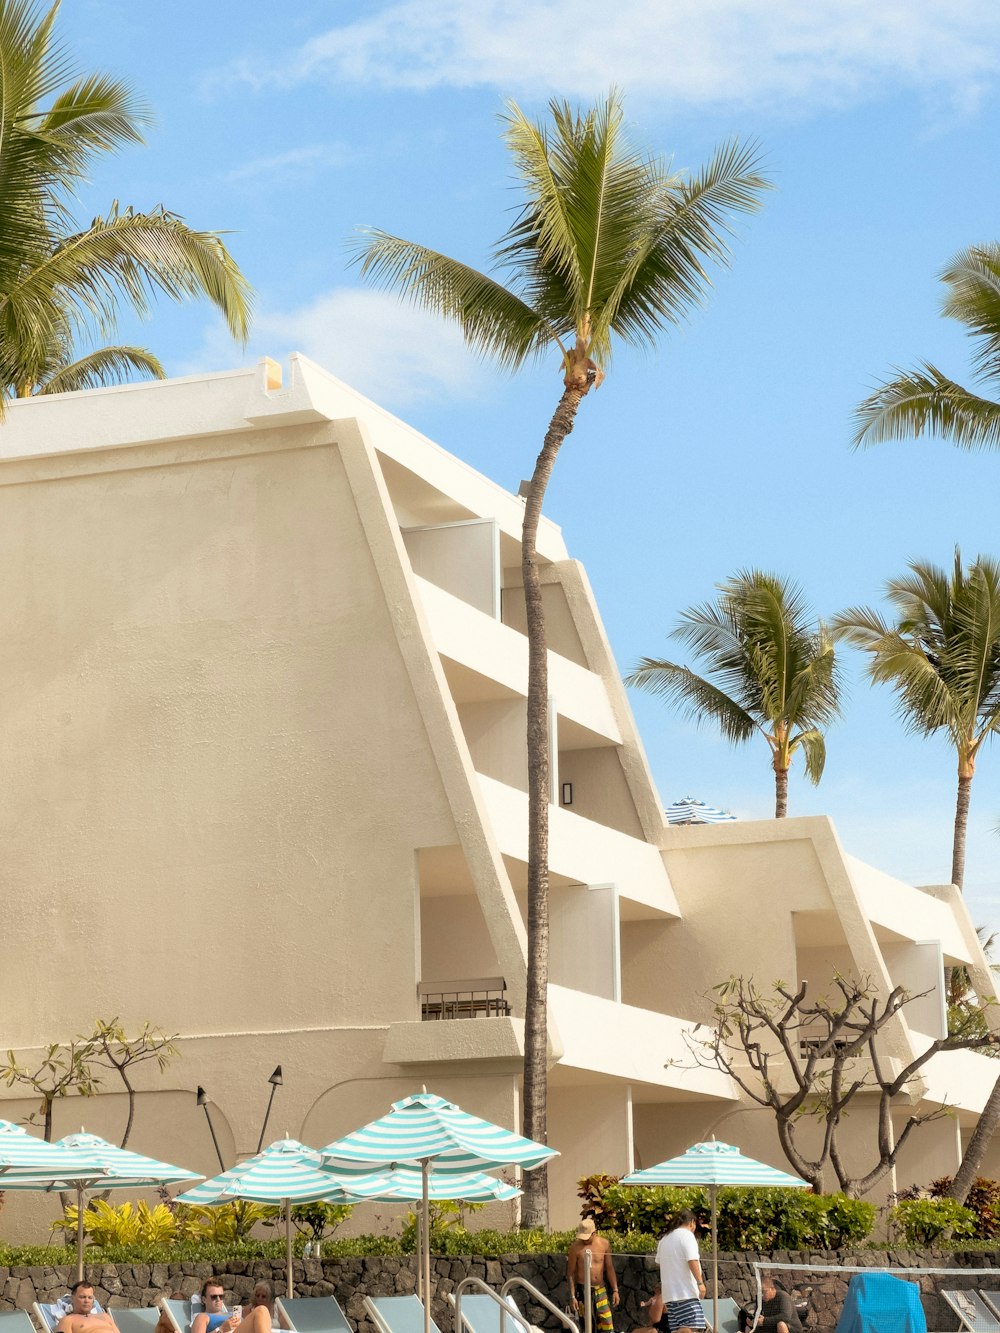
[729, 447]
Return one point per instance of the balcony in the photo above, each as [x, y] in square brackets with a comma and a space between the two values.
[480, 997]
[492, 662]
[584, 852]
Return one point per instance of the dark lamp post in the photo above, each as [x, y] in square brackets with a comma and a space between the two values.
[275, 1081]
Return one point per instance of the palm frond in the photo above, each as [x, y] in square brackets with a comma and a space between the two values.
[698, 698]
[860, 626]
[973, 298]
[813, 746]
[494, 321]
[107, 365]
[924, 401]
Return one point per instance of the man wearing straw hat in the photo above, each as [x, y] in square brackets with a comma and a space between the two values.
[602, 1273]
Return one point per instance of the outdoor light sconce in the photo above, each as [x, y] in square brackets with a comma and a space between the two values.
[567, 793]
[201, 1098]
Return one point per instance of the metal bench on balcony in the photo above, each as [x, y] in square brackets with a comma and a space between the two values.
[478, 997]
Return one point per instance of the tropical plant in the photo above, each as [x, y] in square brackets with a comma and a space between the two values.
[317, 1220]
[126, 1224]
[64, 1071]
[926, 401]
[942, 659]
[222, 1222]
[770, 672]
[923, 1221]
[608, 246]
[57, 277]
[114, 1049]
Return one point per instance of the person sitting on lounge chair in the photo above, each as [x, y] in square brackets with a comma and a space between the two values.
[777, 1311]
[83, 1318]
[260, 1317]
[214, 1318]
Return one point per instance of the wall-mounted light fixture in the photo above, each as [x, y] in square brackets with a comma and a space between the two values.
[567, 793]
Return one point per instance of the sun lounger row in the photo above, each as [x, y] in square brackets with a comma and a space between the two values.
[978, 1311]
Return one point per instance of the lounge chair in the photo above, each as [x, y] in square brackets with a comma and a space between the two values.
[142, 1319]
[16, 1321]
[973, 1312]
[481, 1314]
[398, 1314]
[312, 1314]
[729, 1314]
[992, 1299]
[178, 1312]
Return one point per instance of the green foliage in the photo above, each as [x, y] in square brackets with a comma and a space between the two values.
[983, 1202]
[127, 1224]
[223, 1222]
[447, 1215]
[317, 1220]
[923, 1221]
[748, 1218]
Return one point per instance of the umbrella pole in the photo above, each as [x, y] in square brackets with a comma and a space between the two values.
[288, 1246]
[425, 1221]
[79, 1233]
[713, 1195]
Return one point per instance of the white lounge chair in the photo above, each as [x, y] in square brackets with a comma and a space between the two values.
[481, 1314]
[312, 1314]
[973, 1312]
[140, 1319]
[397, 1314]
[729, 1314]
[16, 1321]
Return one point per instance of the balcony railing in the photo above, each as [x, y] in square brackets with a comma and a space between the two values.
[478, 997]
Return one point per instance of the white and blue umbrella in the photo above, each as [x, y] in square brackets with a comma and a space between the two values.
[428, 1132]
[285, 1173]
[690, 811]
[714, 1164]
[102, 1165]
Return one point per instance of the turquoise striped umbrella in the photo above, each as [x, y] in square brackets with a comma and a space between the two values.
[407, 1183]
[713, 1164]
[286, 1172]
[428, 1132]
[22, 1154]
[109, 1167]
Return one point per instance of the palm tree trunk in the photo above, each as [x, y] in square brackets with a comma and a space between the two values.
[535, 1200]
[780, 792]
[961, 824]
[976, 1151]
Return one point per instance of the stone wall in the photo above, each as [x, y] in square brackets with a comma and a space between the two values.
[350, 1280]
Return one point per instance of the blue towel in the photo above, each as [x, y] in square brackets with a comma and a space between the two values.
[881, 1303]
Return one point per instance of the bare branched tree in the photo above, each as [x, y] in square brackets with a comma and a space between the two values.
[808, 1060]
[114, 1049]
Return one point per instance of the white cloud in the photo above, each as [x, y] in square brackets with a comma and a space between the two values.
[389, 351]
[690, 52]
[297, 162]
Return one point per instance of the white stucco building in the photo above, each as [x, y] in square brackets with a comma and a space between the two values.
[263, 677]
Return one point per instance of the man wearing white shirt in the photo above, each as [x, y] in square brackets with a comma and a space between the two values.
[682, 1282]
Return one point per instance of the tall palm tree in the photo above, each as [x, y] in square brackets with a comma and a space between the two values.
[925, 400]
[608, 245]
[942, 658]
[56, 277]
[770, 672]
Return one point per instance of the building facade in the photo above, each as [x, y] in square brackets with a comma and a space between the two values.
[264, 678]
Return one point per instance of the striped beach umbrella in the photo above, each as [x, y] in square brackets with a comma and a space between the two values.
[108, 1167]
[285, 1173]
[713, 1164]
[407, 1182]
[428, 1132]
[690, 811]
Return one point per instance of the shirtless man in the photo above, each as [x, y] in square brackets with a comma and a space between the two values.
[602, 1273]
[82, 1318]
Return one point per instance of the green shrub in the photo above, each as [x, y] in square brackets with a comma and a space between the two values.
[923, 1221]
[749, 1218]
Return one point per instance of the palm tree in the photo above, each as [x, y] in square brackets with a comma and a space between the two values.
[607, 245]
[769, 673]
[942, 657]
[55, 277]
[926, 401]
[60, 370]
